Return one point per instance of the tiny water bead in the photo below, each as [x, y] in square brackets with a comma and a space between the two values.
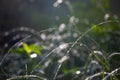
[57, 3]
[34, 55]
[64, 58]
[62, 27]
[78, 72]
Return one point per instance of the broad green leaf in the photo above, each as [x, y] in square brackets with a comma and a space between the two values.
[18, 51]
[36, 49]
[28, 49]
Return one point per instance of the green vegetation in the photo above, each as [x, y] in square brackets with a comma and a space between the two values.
[82, 45]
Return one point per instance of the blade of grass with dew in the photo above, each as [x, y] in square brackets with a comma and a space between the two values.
[53, 77]
[26, 69]
[26, 76]
[95, 75]
[80, 37]
[111, 74]
[4, 57]
[11, 49]
[60, 62]
[45, 58]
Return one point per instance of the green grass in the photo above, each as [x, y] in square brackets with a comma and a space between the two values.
[62, 53]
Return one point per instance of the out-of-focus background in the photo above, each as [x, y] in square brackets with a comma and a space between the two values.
[41, 14]
[44, 14]
[75, 38]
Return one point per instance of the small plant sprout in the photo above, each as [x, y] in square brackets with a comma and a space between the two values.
[31, 50]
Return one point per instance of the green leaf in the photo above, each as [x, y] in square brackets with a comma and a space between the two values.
[18, 51]
[36, 49]
[66, 71]
[26, 48]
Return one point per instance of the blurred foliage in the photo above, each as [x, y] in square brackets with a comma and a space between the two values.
[106, 34]
[79, 46]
